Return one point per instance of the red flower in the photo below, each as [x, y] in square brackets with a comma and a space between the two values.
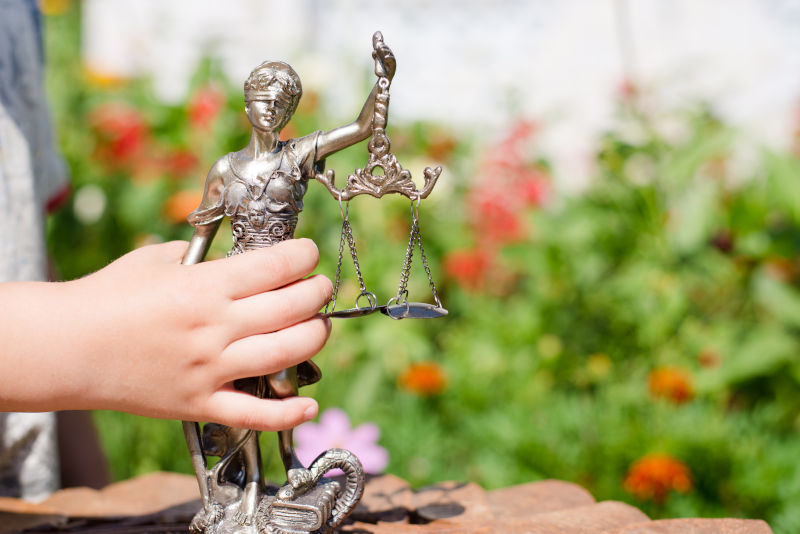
[180, 162]
[523, 129]
[671, 383]
[468, 267]
[509, 153]
[122, 134]
[205, 105]
[533, 187]
[628, 90]
[655, 475]
[425, 379]
[496, 218]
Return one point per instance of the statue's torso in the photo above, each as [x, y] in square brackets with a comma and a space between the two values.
[263, 196]
[263, 199]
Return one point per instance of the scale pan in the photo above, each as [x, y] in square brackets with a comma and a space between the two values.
[413, 310]
[353, 312]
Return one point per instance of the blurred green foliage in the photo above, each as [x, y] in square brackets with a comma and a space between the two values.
[675, 259]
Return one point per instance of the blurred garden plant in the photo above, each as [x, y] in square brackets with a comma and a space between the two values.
[640, 338]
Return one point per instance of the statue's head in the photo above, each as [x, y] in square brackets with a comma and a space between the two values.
[271, 94]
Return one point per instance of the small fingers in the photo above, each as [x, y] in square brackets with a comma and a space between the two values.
[264, 269]
[274, 310]
[242, 410]
[263, 354]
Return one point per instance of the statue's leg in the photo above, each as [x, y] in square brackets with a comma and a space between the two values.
[284, 384]
[191, 431]
[252, 482]
[212, 511]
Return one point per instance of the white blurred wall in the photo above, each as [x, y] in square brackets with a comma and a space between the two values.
[480, 64]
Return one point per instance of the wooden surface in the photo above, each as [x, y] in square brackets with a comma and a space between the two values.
[166, 502]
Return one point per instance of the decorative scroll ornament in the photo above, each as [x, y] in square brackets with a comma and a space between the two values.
[393, 178]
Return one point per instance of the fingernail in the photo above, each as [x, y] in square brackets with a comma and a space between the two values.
[311, 412]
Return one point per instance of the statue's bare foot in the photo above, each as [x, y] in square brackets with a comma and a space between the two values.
[247, 508]
[206, 517]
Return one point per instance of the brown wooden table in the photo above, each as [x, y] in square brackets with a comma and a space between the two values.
[166, 502]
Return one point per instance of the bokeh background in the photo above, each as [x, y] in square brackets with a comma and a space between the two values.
[616, 232]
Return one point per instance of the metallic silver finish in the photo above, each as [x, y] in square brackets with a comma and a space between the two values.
[261, 189]
[347, 235]
[402, 289]
[393, 178]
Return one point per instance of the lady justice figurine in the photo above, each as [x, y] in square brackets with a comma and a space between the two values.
[261, 188]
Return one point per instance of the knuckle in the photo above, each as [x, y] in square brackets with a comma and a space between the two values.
[309, 249]
[279, 261]
[249, 420]
[318, 333]
[286, 417]
[326, 286]
[318, 289]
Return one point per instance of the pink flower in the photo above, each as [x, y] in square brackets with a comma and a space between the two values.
[333, 431]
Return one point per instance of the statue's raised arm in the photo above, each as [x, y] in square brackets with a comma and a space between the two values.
[371, 123]
[361, 128]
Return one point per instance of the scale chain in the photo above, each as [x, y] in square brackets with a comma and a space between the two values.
[338, 278]
[428, 270]
[352, 244]
[405, 273]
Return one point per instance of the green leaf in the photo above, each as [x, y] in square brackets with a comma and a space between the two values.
[777, 298]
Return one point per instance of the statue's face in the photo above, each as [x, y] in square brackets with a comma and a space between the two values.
[268, 113]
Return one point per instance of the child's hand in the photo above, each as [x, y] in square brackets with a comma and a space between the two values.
[150, 336]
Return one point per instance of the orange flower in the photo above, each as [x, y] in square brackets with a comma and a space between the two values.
[289, 132]
[425, 379]
[671, 383]
[441, 146]
[655, 475]
[180, 205]
[103, 79]
[781, 269]
[54, 7]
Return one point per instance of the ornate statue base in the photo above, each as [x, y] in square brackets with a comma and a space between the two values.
[306, 504]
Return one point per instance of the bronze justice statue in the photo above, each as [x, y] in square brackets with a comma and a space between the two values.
[261, 188]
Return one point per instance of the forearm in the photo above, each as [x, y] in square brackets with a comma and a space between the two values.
[42, 348]
[350, 134]
[200, 242]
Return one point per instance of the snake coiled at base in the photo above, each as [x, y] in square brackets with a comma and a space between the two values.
[303, 480]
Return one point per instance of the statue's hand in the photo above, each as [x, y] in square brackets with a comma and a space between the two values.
[385, 64]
